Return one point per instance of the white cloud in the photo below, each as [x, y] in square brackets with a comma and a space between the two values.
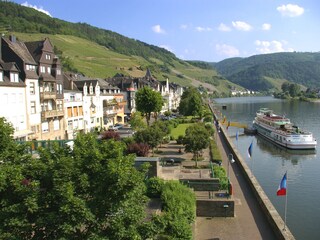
[290, 10]
[227, 50]
[266, 26]
[158, 29]
[40, 9]
[241, 26]
[203, 29]
[271, 46]
[183, 26]
[224, 28]
[167, 48]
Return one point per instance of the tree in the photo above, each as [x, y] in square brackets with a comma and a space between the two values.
[79, 194]
[151, 136]
[294, 90]
[148, 101]
[191, 102]
[136, 121]
[196, 139]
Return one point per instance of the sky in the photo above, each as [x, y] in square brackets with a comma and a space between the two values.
[205, 30]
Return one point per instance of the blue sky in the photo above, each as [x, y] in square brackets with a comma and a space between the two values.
[207, 30]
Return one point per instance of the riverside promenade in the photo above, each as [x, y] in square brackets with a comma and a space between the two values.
[249, 222]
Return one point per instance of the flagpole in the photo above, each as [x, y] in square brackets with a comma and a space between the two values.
[285, 206]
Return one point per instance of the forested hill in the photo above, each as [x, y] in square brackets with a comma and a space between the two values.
[22, 19]
[267, 71]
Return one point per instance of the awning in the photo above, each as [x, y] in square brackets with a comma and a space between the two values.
[22, 133]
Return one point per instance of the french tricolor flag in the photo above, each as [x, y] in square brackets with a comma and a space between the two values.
[282, 190]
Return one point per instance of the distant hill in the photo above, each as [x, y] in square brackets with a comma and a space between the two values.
[102, 53]
[269, 71]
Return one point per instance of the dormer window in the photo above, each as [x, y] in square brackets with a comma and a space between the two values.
[30, 67]
[14, 77]
[1, 76]
[58, 71]
[49, 70]
[42, 69]
[48, 56]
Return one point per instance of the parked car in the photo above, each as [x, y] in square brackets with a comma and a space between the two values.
[116, 127]
[119, 125]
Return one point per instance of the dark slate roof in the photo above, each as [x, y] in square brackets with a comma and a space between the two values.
[38, 47]
[21, 50]
[9, 67]
[148, 74]
[69, 81]
[35, 49]
[122, 83]
[102, 83]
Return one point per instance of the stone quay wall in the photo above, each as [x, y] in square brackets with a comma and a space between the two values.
[275, 220]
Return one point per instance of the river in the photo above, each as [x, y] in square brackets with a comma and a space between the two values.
[269, 162]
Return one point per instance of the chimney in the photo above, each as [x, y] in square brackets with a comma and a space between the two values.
[13, 38]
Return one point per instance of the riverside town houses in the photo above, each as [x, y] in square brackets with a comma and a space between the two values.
[44, 103]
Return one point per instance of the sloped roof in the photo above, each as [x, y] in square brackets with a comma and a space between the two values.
[21, 50]
[37, 47]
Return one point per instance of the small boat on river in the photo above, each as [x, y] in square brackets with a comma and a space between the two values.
[281, 131]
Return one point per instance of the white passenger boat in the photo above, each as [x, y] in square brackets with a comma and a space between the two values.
[280, 130]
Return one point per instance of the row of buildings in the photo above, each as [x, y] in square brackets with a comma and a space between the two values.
[44, 103]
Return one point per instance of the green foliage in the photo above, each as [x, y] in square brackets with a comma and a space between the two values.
[200, 64]
[148, 101]
[152, 136]
[214, 152]
[79, 194]
[191, 102]
[252, 72]
[136, 121]
[196, 139]
[23, 19]
[180, 139]
[178, 212]
[220, 172]
[154, 187]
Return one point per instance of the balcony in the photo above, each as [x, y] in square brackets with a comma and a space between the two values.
[122, 103]
[51, 114]
[107, 112]
[48, 95]
[110, 103]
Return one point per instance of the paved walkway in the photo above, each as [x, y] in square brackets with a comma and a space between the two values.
[249, 221]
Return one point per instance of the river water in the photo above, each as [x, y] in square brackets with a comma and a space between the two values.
[269, 162]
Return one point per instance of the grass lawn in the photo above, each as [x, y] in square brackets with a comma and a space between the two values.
[180, 130]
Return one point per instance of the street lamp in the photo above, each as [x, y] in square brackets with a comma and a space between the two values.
[230, 159]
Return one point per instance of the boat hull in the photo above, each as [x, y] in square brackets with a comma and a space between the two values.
[296, 142]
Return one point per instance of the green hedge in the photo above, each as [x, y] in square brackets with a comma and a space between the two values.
[178, 210]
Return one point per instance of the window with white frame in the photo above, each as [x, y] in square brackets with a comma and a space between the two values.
[1, 76]
[33, 107]
[32, 88]
[30, 67]
[56, 124]
[70, 125]
[59, 105]
[45, 127]
[42, 69]
[48, 56]
[14, 77]
[58, 71]
[91, 90]
[49, 70]
[33, 129]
